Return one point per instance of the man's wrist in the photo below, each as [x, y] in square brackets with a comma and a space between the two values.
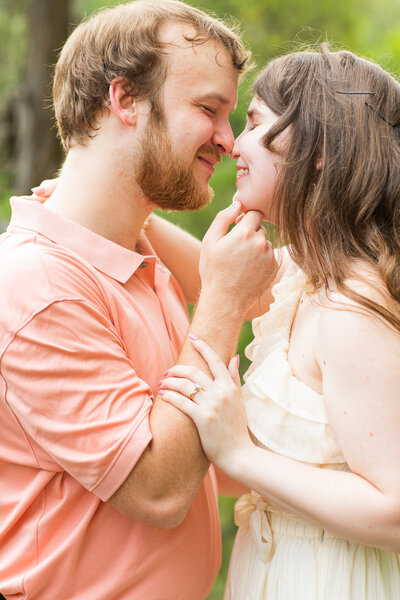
[218, 324]
[220, 303]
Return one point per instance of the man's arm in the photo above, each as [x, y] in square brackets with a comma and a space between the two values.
[167, 477]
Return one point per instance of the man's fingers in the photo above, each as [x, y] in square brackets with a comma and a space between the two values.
[252, 219]
[233, 368]
[222, 222]
[239, 218]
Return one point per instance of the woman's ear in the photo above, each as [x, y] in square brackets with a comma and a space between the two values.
[319, 164]
[123, 104]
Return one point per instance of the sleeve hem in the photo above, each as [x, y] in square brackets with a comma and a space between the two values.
[125, 462]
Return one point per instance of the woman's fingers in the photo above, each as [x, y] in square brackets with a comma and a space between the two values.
[185, 387]
[192, 373]
[188, 380]
[181, 402]
[45, 189]
[215, 364]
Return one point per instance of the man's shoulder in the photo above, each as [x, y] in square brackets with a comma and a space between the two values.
[35, 272]
[39, 261]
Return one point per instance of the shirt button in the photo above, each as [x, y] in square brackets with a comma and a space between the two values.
[143, 265]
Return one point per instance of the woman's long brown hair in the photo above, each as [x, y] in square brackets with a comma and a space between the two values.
[337, 202]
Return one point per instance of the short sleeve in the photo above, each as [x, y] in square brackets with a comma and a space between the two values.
[76, 394]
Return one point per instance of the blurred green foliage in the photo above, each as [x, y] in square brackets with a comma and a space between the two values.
[270, 27]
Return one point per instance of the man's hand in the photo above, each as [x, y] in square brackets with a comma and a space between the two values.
[237, 265]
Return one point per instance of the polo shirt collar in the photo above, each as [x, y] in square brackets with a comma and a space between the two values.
[103, 254]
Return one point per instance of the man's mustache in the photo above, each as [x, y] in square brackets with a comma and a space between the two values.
[211, 152]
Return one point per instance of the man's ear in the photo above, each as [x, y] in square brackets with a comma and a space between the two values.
[123, 103]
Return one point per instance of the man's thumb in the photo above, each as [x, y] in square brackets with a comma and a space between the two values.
[222, 221]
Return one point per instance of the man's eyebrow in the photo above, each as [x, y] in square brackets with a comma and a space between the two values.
[213, 96]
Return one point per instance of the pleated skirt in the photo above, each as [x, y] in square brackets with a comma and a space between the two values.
[304, 562]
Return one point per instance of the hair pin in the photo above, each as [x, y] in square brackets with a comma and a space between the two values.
[368, 105]
[354, 93]
[380, 116]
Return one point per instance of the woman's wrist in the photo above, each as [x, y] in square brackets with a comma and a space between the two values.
[235, 463]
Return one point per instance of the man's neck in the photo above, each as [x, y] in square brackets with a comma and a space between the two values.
[98, 192]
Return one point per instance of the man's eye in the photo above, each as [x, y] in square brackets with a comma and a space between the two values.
[210, 110]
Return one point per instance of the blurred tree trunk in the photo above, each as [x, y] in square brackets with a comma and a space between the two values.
[37, 150]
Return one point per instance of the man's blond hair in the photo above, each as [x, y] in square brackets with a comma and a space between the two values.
[124, 42]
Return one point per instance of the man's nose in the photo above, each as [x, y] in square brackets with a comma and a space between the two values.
[223, 139]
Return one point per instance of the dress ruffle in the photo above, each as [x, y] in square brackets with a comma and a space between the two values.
[284, 413]
[276, 555]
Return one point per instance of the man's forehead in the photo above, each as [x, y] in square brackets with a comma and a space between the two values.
[200, 72]
[176, 34]
[179, 41]
[201, 69]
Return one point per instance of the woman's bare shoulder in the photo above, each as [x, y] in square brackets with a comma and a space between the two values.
[361, 291]
[347, 327]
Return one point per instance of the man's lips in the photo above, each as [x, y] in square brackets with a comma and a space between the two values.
[209, 161]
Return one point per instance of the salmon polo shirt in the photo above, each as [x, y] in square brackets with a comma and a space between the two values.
[87, 329]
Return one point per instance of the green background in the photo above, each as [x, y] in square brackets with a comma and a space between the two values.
[270, 27]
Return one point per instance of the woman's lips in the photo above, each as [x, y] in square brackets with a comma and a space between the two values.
[241, 172]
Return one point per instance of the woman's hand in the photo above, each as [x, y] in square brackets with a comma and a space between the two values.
[44, 190]
[215, 405]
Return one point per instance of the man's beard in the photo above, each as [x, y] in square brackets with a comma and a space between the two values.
[162, 177]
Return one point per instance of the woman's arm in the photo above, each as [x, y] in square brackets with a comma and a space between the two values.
[179, 251]
[228, 486]
[359, 359]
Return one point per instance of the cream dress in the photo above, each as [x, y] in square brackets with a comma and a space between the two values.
[277, 556]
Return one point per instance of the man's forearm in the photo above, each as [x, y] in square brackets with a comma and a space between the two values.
[218, 321]
[166, 479]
